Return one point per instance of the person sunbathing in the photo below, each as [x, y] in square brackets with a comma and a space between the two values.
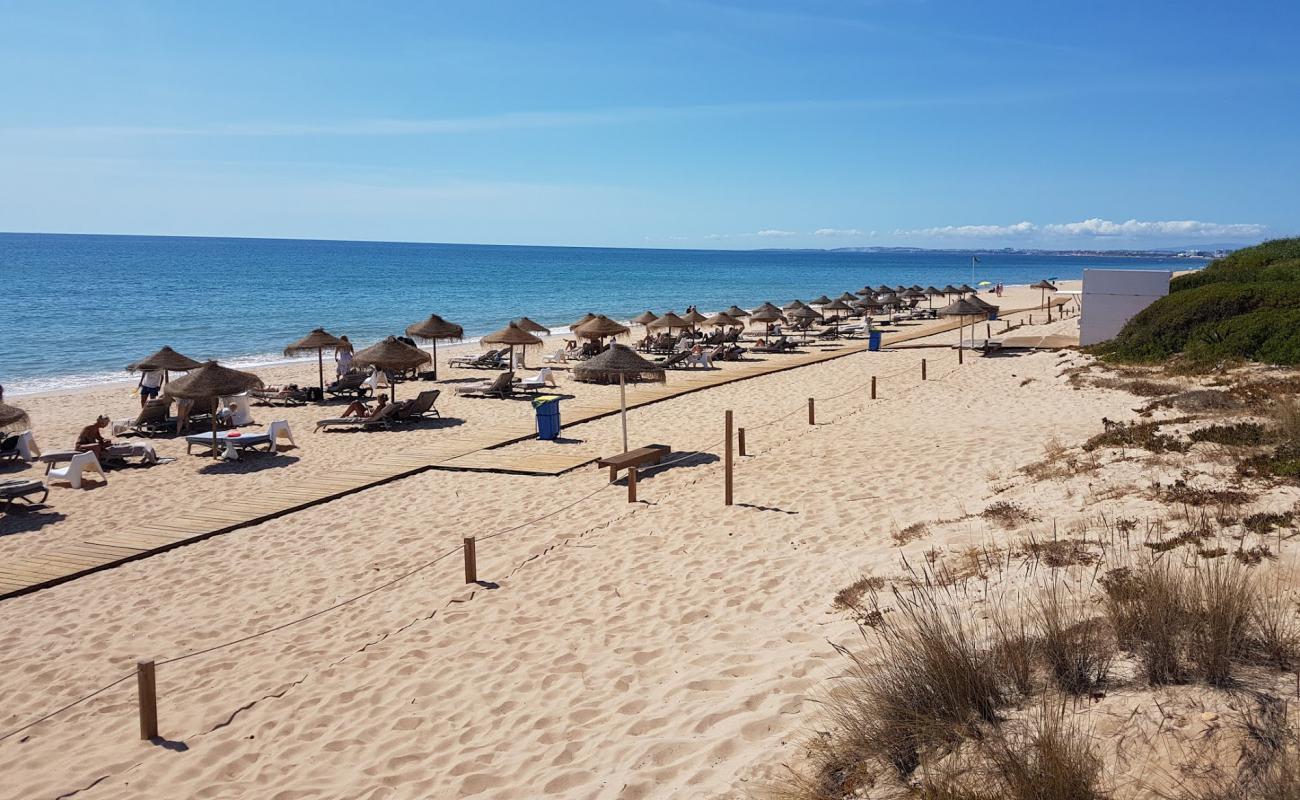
[90, 440]
[360, 409]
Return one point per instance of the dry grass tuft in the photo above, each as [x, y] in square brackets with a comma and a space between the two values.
[1008, 515]
[902, 536]
[850, 597]
[1138, 435]
[1078, 649]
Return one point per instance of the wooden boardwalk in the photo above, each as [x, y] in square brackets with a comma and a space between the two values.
[457, 451]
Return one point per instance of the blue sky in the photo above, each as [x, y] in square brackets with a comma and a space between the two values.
[658, 123]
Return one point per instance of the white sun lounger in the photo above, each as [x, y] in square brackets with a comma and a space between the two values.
[81, 462]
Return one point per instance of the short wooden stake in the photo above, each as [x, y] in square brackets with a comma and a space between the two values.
[923, 369]
[988, 331]
[1004, 330]
[961, 351]
[471, 561]
[1031, 319]
[726, 480]
[873, 387]
[148, 691]
[740, 442]
[812, 414]
[631, 484]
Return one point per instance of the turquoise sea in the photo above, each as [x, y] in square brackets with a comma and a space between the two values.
[78, 308]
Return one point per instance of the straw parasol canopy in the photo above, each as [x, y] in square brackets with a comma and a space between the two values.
[887, 299]
[950, 289]
[165, 359]
[210, 382]
[433, 329]
[585, 319]
[531, 326]
[792, 305]
[317, 340]
[962, 308]
[694, 317]
[392, 354]
[723, 320]
[914, 294]
[965, 289]
[1046, 286]
[13, 418]
[884, 288]
[620, 360]
[820, 301]
[645, 318]
[766, 307]
[849, 297]
[805, 315]
[767, 317]
[837, 304]
[736, 312]
[514, 336]
[600, 326]
[670, 321]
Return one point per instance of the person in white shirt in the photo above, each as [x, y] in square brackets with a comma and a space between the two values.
[151, 381]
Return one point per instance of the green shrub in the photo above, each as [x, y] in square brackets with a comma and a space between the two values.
[1243, 306]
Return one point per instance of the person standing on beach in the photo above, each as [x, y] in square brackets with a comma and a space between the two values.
[151, 381]
[343, 357]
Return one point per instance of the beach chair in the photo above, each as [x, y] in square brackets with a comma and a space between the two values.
[353, 383]
[540, 381]
[476, 362]
[558, 357]
[153, 419]
[420, 407]
[502, 386]
[19, 447]
[21, 489]
[674, 361]
[287, 396]
[80, 463]
[383, 418]
[279, 429]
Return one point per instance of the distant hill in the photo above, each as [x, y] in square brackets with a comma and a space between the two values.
[1243, 306]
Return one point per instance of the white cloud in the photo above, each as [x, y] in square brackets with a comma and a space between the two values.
[1136, 229]
[838, 232]
[773, 233]
[1095, 228]
[976, 231]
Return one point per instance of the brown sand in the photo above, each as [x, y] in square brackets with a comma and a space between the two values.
[662, 649]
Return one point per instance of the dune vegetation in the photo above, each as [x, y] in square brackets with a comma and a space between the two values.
[1245, 306]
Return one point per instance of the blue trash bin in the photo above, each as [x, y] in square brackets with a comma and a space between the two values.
[548, 417]
[873, 340]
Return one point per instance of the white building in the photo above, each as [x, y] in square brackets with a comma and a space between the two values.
[1111, 297]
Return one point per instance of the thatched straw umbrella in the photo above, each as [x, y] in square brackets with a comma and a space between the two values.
[392, 354]
[317, 340]
[806, 315]
[694, 317]
[820, 301]
[167, 360]
[884, 288]
[645, 318]
[793, 304]
[932, 293]
[962, 308]
[767, 317]
[949, 289]
[598, 327]
[210, 382]
[766, 307]
[13, 418]
[990, 310]
[514, 336]
[836, 305]
[849, 297]
[1046, 286]
[433, 329]
[670, 321]
[965, 289]
[723, 320]
[736, 312]
[585, 319]
[622, 361]
[531, 326]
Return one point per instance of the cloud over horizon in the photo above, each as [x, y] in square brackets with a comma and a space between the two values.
[1095, 228]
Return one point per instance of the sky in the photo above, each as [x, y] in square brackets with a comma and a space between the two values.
[656, 123]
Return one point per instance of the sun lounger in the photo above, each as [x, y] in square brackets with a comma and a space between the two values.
[420, 407]
[153, 419]
[288, 396]
[78, 464]
[353, 383]
[502, 386]
[18, 447]
[540, 381]
[489, 360]
[674, 361]
[21, 489]
[383, 418]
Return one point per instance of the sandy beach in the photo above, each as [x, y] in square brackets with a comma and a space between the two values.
[668, 648]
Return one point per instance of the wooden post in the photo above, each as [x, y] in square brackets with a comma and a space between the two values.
[740, 442]
[812, 415]
[471, 561]
[923, 369]
[1031, 319]
[960, 352]
[631, 484]
[873, 387]
[148, 691]
[726, 480]
[1004, 330]
[988, 331]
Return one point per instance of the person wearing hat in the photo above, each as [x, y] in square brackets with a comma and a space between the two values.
[90, 440]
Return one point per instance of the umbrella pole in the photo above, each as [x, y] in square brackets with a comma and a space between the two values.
[214, 426]
[435, 359]
[622, 398]
[320, 366]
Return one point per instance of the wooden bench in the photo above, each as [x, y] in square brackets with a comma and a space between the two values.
[650, 454]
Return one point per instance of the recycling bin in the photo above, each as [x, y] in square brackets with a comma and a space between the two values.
[873, 340]
[548, 417]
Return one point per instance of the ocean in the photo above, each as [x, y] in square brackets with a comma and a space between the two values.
[78, 308]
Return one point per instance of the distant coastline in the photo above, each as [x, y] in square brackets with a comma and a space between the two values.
[1217, 252]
